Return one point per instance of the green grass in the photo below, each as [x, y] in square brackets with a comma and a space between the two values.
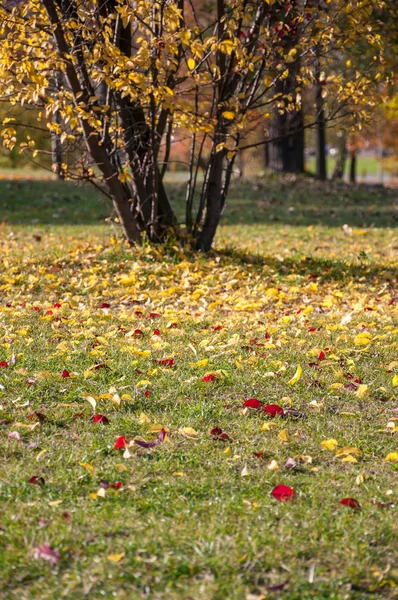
[195, 517]
[366, 165]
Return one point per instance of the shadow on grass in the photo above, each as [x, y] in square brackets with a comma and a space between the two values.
[325, 269]
[286, 200]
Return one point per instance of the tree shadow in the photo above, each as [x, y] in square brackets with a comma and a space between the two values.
[326, 270]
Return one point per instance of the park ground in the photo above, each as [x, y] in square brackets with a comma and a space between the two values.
[295, 307]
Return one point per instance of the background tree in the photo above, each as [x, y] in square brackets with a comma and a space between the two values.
[139, 77]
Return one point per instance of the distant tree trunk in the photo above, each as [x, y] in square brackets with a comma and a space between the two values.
[353, 167]
[339, 169]
[321, 167]
[266, 156]
[286, 152]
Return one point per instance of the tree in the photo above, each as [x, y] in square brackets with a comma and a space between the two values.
[136, 77]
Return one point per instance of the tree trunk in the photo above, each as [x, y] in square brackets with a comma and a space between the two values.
[56, 150]
[339, 170]
[321, 167]
[214, 203]
[353, 167]
[286, 152]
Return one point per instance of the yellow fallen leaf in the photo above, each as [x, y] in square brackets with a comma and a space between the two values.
[268, 426]
[283, 435]
[363, 339]
[273, 466]
[329, 444]
[296, 376]
[178, 474]
[392, 457]
[187, 431]
[395, 380]
[348, 450]
[115, 557]
[143, 382]
[360, 479]
[89, 468]
[157, 427]
[199, 363]
[349, 459]
[143, 418]
[362, 391]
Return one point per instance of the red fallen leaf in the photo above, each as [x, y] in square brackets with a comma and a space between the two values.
[47, 553]
[154, 315]
[267, 336]
[207, 378]
[105, 305]
[36, 308]
[167, 362]
[4, 364]
[65, 374]
[106, 485]
[78, 415]
[259, 454]
[49, 312]
[100, 419]
[351, 502]
[314, 364]
[273, 410]
[57, 305]
[39, 415]
[67, 516]
[120, 443]
[156, 332]
[321, 355]
[216, 431]
[37, 480]
[147, 393]
[283, 493]
[219, 433]
[311, 329]
[253, 403]
[159, 439]
[138, 371]
[217, 328]
[138, 332]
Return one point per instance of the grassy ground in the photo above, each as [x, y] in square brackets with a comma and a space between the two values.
[367, 165]
[303, 275]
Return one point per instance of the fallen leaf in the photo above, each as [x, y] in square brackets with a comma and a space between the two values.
[296, 377]
[46, 552]
[283, 493]
[351, 502]
[329, 444]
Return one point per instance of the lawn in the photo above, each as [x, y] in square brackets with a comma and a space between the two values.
[296, 307]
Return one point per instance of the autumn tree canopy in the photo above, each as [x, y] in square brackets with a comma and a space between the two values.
[121, 82]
